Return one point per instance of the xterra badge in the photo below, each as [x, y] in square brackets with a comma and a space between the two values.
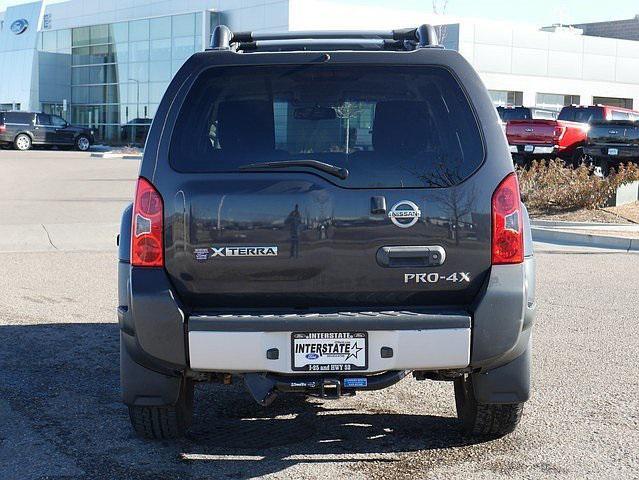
[242, 251]
[405, 214]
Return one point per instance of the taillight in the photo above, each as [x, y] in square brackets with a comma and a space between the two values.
[146, 234]
[559, 133]
[3, 128]
[508, 233]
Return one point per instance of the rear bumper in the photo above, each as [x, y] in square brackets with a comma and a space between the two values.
[433, 349]
[529, 149]
[605, 151]
[492, 333]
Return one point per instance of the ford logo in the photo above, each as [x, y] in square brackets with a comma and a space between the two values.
[19, 26]
[312, 356]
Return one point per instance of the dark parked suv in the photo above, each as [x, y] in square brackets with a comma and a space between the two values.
[23, 130]
[266, 243]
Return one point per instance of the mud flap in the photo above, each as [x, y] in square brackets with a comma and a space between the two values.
[143, 387]
[507, 384]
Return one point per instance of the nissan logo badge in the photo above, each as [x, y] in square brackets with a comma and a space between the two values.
[19, 26]
[405, 214]
[529, 130]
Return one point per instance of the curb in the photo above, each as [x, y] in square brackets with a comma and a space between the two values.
[123, 156]
[548, 235]
[585, 225]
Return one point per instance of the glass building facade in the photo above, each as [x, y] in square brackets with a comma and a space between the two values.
[118, 72]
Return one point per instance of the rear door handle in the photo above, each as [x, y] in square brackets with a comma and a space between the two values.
[411, 256]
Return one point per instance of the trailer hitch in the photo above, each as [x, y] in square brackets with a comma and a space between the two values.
[265, 387]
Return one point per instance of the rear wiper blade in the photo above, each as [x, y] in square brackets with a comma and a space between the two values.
[324, 167]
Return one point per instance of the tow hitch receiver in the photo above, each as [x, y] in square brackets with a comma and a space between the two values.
[330, 388]
[265, 387]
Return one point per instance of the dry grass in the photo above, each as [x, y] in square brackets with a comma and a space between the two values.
[630, 212]
[551, 187]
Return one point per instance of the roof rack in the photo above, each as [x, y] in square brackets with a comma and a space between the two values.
[404, 39]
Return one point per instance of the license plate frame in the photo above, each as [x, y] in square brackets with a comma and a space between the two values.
[613, 152]
[322, 363]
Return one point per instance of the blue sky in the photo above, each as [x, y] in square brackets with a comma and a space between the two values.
[541, 12]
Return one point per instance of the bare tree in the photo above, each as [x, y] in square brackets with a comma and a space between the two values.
[348, 110]
[459, 203]
[439, 8]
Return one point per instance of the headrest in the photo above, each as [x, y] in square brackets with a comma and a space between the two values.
[401, 127]
[246, 125]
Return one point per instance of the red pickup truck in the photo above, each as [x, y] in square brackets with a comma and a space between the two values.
[563, 138]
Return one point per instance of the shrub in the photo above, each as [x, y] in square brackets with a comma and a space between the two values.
[550, 186]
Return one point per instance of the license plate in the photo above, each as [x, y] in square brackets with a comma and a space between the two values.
[613, 151]
[529, 148]
[329, 351]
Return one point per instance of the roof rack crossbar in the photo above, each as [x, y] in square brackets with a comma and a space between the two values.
[321, 44]
[405, 38]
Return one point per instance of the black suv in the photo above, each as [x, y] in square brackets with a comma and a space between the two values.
[23, 130]
[323, 213]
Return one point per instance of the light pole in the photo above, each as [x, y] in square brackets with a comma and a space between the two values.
[137, 98]
[137, 111]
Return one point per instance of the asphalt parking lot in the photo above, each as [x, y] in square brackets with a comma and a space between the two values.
[61, 417]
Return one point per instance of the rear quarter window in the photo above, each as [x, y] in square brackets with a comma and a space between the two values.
[390, 126]
[18, 118]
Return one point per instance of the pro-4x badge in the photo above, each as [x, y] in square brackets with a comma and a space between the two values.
[405, 214]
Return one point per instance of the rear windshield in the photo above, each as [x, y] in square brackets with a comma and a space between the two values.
[582, 114]
[520, 113]
[388, 126]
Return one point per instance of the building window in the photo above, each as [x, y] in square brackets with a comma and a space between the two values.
[505, 98]
[120, 71]
[556, 101]
[613, 102]
[184, 25]
[5, 107]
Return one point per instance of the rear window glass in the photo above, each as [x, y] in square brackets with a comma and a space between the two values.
[388, 126]
[507, 114]
[582, 114]
[544, 114]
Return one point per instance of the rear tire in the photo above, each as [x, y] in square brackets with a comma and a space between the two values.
[23, 142]
[602, 167]
[579, 158]
[486, 420]
[520, 161]
[167, 421]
